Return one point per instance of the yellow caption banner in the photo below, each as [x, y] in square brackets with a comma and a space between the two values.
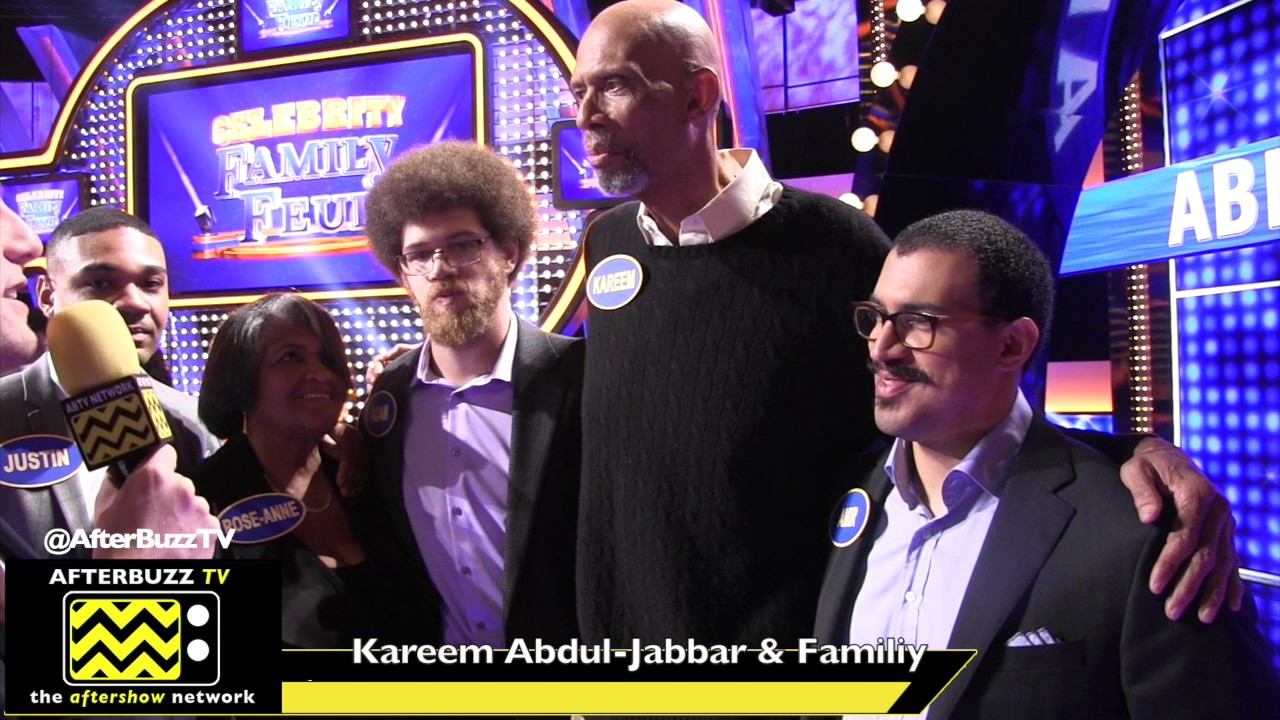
[591, 698]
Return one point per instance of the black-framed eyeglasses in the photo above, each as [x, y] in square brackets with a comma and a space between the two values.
[915, 330]
[460, 253]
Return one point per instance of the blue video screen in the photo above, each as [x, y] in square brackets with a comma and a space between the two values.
[45, 202]
[259, 182]
[576, 185]
[274, 24]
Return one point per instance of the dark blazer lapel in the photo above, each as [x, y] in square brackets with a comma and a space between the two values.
[390, 477]
[537, 397]
[44, 413]
[1025, 529]
[847, 566]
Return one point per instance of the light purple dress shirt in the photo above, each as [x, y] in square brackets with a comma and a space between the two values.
[919, 567]
[457, 460]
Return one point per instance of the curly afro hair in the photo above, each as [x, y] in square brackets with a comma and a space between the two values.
[446, 176]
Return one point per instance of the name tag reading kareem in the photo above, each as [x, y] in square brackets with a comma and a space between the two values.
[264, 517]
[614, 282]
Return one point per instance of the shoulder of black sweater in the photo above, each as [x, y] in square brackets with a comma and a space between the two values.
[852, 223]
[828, 219]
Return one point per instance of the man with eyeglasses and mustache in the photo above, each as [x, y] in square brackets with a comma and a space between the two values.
[984, 527]
[723, 395]
[473, 437]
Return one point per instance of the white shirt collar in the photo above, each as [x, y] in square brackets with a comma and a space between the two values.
[750, 194]
[501, 369]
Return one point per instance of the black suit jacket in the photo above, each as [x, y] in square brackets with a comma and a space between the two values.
[31, 407]
[542, 494]
[1065, 552]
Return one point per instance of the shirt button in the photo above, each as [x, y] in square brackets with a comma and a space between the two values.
[480, 626]
[466, 571]
[457, 511]
[910, 596]
[455, 452]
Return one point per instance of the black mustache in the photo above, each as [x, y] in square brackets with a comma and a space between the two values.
[902, 372]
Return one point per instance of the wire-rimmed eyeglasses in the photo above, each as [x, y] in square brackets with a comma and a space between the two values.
[460, 253]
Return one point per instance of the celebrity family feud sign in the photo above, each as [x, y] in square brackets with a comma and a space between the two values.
[256, 174]
[44, 202]
[270, 24]
[1224, 201]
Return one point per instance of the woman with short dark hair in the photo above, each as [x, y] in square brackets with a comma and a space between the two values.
[274, 386]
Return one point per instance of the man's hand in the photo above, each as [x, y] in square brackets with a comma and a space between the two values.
[380, 363]
[1202, 541]
[154, 496]
[346, 445]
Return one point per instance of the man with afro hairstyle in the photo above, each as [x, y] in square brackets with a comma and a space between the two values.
[473, 436]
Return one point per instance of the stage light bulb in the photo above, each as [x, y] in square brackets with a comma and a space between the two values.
[933, 11]
[883, 74]
[907, 76]
[863, 139]
[910, 10]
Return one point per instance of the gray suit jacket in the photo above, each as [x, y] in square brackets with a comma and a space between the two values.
[1065, 552]
[542, 494]
[29, 405]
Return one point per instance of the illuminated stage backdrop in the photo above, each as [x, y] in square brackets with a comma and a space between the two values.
[256, 178]
[1222, 91]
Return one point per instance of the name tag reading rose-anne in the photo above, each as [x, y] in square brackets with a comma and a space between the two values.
[264, 517]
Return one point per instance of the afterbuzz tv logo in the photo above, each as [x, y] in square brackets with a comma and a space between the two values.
[141, 638]
[113, 420]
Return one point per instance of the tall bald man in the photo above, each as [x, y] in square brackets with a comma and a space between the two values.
[722, 393]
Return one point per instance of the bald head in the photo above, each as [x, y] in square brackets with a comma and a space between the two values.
[648, 87]
[674, 28]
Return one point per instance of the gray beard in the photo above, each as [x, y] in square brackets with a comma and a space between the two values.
[622, 183]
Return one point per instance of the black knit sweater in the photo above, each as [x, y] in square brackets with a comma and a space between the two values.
[717, 407]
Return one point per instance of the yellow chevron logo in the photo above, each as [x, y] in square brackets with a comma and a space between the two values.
[105, 414]
[121, 639]
[113, 429]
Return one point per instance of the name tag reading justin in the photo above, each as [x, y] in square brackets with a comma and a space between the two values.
[36, 461]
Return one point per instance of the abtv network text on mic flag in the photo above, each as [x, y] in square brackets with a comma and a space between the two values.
[203, 638]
